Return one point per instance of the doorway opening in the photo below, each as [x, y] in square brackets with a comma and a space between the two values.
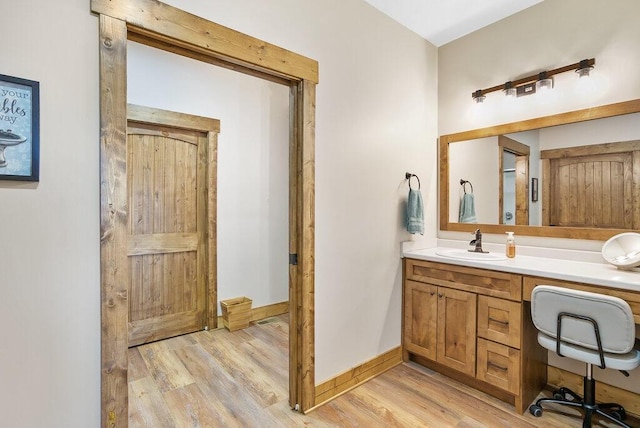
[159, 25]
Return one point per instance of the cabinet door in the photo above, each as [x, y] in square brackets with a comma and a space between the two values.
[420, 318]
[456, 347]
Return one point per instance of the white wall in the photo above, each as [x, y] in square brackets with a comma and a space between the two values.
[601, 131]
[253, 163]
[49, 231]
[376, 119]
[548, 35]
[475, 161]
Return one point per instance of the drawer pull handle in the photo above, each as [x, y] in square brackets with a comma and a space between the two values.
[499, 321]
[490, 364]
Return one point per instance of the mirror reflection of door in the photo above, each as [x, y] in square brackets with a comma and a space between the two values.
[514, 181]
[508, 187]
[592, 186]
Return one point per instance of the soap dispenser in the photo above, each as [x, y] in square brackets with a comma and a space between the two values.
[511, 245]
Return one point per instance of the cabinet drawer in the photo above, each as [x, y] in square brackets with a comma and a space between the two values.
[499, 320]
[498, 365]
[480, 281]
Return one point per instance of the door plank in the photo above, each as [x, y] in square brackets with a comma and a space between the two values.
[146, 330]
[162, 243]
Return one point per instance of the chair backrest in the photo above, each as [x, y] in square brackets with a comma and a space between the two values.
[612, 314]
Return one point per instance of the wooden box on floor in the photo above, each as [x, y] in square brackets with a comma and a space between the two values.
[236, 313]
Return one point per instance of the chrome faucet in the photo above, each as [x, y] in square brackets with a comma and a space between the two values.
[477, 242]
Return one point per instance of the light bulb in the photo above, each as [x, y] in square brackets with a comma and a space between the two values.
[584, 71]
[544, 84]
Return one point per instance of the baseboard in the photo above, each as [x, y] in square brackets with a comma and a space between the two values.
[267, 311]
[356, 376]
[263, 312]
[605, 393]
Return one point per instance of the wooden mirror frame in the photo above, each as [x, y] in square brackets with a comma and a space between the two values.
[609, 110]
[165, 27]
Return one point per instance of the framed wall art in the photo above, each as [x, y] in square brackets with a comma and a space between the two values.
[19, 129]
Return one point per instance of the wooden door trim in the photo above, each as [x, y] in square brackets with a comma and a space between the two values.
[189, 35]
[113, 222]
[144, 114]
[175, 27]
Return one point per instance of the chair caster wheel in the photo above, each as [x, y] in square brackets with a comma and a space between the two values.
[562, 394]
[535, 410]
[619, 414]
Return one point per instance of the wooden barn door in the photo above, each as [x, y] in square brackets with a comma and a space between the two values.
[168, 247]
[592, 186]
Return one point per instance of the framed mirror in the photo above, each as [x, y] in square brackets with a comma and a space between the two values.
[569, 175]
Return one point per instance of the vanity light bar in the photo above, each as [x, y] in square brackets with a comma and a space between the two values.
[582, 68]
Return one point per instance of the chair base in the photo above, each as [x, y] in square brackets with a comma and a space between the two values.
[611, 411]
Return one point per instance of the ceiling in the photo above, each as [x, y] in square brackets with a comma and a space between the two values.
[441, 21]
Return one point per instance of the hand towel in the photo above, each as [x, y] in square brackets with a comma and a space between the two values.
[467, 209]
[415, 212]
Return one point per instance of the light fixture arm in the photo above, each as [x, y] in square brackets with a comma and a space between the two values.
[534, 77]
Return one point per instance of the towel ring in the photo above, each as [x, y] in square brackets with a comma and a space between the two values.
[463, 184]
[408, 176]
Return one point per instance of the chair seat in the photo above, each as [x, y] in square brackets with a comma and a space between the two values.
[628, 361]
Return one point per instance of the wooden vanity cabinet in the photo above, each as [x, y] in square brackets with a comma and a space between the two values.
[474, 325]
[470, 324]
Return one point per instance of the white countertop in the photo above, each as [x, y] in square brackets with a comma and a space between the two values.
[569, 270]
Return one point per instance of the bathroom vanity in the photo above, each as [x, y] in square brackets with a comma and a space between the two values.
[470, 320]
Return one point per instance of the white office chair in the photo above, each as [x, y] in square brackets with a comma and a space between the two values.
[593, 328]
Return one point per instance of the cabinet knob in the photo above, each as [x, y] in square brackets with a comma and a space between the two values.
[440, 295]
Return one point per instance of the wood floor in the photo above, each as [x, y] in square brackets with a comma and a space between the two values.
[240, 379]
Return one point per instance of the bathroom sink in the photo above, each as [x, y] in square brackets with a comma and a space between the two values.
[455, 253]
[623, 250]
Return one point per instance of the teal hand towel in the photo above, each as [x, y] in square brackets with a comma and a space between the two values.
[467, 209]
[415, 212]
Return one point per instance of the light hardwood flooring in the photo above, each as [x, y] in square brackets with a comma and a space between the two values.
[240, 379]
